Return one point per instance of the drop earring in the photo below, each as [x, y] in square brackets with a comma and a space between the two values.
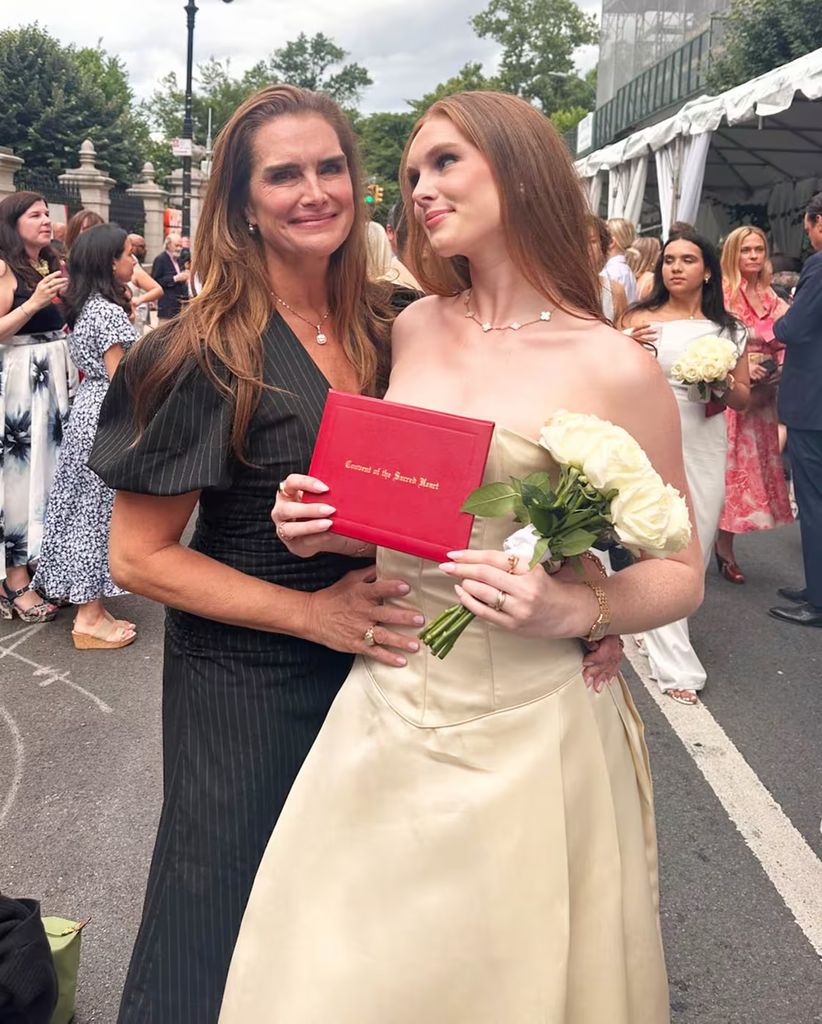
[252, 228]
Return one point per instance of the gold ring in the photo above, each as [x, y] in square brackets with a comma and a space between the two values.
[513, 562]
[282, 488]
[500, 601]
[280, 531]
[369, 638]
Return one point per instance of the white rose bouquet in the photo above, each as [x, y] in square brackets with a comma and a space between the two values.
[606, 490]
[705, 366]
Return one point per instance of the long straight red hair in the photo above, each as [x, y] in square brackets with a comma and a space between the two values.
[544, 212]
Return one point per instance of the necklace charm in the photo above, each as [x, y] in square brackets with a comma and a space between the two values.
[515, 325]
[321, 336]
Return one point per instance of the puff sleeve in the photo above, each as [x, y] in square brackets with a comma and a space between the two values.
[185, 446]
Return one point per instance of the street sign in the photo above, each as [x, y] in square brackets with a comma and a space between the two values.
[181, 147]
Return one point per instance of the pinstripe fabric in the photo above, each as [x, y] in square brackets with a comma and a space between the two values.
[241, 708]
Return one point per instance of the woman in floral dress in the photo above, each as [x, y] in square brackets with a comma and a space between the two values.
[756, 494]
[74, 560]
[36, 376]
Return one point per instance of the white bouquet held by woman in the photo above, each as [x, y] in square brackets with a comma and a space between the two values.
[705, 366]
[606, 490]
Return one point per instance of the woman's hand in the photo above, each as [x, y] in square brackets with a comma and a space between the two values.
[645, 334]
[303, 527]
[758, 372]
[601, 664]
[47, 290]
[525, 601]
[347, 614]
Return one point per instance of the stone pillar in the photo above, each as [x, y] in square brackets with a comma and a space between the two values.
[9, 165]
[93, 183]
[154, 202]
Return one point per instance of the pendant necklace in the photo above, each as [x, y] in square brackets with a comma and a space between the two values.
[321, 338]
[515, 325]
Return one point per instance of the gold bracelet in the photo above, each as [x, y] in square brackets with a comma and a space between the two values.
[589, 556]
[601, 623]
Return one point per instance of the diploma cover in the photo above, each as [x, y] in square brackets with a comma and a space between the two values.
[398, 475]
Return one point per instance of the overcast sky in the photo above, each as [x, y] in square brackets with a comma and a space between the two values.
[408, 46]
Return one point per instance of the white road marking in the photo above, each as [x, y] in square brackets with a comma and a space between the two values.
[51, 675]
[18, 758]
[791, 865]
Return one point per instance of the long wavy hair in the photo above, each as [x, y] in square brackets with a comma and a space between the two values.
[221, 328]
[713, 303]
[643, 254]
[12, 250]
[544, 213]
[90, 270]
[81, 221]
[729, 261]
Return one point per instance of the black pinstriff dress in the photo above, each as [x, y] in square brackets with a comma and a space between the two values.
[241, 708]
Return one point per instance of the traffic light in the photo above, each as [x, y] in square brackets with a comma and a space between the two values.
[371, 194]
[378, 193]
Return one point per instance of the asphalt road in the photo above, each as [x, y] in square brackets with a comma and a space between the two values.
[80, 790]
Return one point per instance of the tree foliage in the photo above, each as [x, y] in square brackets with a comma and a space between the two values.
[470, 76]
[538, 40]
[307, 62]
[761, 35]
[382, 139]
[54, 97]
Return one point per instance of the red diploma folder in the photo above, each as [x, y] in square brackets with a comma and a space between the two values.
[398, 475]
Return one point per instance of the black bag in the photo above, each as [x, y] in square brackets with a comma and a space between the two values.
[28, 982]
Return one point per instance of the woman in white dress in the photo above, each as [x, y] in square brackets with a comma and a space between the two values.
[686, 303]
[472, 840]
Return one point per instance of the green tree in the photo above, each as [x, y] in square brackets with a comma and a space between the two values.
[469, 77]
[763, 34]
[538, 40]
[307, 62]
[382, 138]
[54, 97]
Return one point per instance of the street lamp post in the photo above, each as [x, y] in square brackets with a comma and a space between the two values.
[188, 127]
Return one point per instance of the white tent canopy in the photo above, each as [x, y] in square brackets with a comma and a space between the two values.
[760, 139]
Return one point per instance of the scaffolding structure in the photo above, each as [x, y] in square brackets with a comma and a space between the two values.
[635, 35]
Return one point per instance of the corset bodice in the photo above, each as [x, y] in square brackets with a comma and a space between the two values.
[489, 669]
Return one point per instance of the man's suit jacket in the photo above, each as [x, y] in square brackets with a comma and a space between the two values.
[174, 292]
[800, 330]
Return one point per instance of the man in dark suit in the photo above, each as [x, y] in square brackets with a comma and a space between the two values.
[167, 271]
[800, 409]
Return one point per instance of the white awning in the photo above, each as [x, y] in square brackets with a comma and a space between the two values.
[766, 130]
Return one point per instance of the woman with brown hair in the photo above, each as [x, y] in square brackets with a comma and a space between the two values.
[473, 839]
[756, 494]
[215, 408]
[78, 223]
[35, 378]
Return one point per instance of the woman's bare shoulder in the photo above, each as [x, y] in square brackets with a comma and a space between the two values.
[618, 359]
[420, 314]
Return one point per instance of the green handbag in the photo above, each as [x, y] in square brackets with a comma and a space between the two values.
[64, 939]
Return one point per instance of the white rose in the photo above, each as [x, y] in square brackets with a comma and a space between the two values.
[570, 437]
[652, 518]
[617, 462]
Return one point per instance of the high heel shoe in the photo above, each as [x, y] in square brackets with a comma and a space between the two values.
[729, 569]
[42, 612]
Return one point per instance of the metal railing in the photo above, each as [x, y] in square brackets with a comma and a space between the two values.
[679, 76]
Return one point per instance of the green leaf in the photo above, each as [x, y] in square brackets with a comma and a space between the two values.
[496, 499]
[541, 480]
[545, 521]
[573, 543]
[542, 546]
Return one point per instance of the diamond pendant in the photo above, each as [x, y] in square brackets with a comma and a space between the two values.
[321, 338]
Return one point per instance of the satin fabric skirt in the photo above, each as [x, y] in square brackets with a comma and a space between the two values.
[501, 869]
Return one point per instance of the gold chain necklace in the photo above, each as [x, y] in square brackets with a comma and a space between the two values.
[515, 325]
[322, 338]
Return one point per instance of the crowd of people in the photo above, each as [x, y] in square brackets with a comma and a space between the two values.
[378, 885]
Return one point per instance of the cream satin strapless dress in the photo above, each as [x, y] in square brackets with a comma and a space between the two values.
[470, 841]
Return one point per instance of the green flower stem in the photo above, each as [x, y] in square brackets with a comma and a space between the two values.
[441, 634]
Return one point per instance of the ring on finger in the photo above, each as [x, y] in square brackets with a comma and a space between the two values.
[369, 638]
[513, 562]
[500, 601]
[281, 531]
[283, 489]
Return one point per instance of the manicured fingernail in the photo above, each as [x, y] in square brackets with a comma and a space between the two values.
[419, 620]
[324, 522]
[447, 566]
[413, 646]
[459, 591]
[327, 510]
[455, 554]
[403, 588]
[319, 487]
[399, 660]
